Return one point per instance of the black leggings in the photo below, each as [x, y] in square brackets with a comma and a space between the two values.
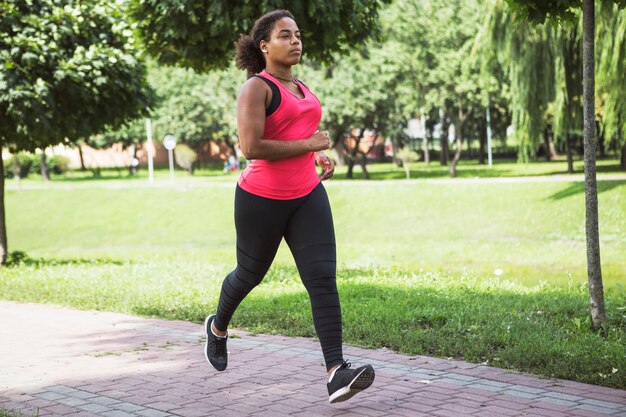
[306, 223]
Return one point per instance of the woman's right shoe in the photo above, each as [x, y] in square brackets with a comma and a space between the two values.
[215, 348]
[346, 382]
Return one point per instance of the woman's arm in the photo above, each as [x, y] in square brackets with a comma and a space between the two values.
[251, 125]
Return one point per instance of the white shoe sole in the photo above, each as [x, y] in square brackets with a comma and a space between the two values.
[360, 382]
[206, 343]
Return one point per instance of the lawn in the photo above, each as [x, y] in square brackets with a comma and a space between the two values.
[489, 271]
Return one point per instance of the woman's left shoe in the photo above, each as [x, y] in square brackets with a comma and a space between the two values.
[215, 348]
[346, 382]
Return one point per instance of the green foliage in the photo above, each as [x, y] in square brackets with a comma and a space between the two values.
[31, 163]
[406, 155]
[200, 34]
[610, 73]
[67, 69]
[10, 413]
[196, 107]
[185, 157]
[540, 10]
[16, 258]
[57, 164]
[21, 162]
[555, 10]
[129, 133]
[526, 53]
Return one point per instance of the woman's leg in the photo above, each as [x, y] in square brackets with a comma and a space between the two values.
[311, 237]
[260, 223]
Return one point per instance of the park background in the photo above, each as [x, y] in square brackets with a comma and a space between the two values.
[462, 259]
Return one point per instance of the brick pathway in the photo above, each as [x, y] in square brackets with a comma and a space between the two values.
[61, 362]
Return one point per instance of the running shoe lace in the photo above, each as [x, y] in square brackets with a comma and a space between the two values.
[220, 346]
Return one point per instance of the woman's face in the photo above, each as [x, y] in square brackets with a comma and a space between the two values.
[284, 46]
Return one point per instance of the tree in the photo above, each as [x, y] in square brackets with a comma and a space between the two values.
[437, 38]
[196, 108]
[526, 54]
[199, 34]
[67, 70]
[610, 75]
[561, 11]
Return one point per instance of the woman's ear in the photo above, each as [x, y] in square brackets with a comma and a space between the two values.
[263, 46]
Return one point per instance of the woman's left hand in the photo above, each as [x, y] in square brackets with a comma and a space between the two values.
[327, 164]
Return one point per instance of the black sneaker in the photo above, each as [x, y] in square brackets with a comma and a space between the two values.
[215, 347]
[346, 382]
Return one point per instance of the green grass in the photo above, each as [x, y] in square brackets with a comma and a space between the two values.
[542, 329]
[11, 413]
[492, 272]
[378, 171]
[471, 169]
[531, 232]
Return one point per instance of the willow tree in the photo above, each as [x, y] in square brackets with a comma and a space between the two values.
[562, 12]
[438, 37]
[527, 54]
[611, 75]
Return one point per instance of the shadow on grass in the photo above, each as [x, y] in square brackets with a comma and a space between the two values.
[579, 188]
[467, 171]
[17, 259]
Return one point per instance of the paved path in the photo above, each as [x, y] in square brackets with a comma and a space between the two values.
[65, 362]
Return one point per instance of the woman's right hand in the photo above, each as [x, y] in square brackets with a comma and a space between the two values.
[319, 141]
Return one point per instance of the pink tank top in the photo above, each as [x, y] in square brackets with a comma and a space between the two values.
[293, 177]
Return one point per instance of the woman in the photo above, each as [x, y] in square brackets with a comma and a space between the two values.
[280, 195]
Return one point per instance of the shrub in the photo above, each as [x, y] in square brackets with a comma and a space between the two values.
[23, 167]
[185, 157]
[407, 156]
[57, 164]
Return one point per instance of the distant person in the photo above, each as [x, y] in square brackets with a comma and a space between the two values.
[280, 195]
[232, 164]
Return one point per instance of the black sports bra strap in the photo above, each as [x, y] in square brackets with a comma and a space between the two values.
[276, 98]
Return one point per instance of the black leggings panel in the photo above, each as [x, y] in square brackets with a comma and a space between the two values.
[306, 223]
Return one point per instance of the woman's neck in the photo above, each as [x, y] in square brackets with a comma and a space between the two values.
[280, 72]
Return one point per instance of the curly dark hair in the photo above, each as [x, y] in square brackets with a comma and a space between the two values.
[248, 53]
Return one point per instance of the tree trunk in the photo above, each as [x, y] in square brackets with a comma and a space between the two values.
[350, 167]
[17, 174]
[443, 156]
[482, 142]
[457, 153]
[353, 152]
[594, 269]
[43, 165]
[600, 138]
[622, 161]
[547, 142]
[458, 133]
[570, 157]
[426, 150]
[82, 159]
[4, 249]
[366, 175]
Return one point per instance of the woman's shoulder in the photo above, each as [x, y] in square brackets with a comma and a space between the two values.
[254, 87]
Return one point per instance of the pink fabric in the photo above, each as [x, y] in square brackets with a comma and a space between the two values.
[287, 178]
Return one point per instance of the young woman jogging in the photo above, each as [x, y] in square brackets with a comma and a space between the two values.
[280, 195]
